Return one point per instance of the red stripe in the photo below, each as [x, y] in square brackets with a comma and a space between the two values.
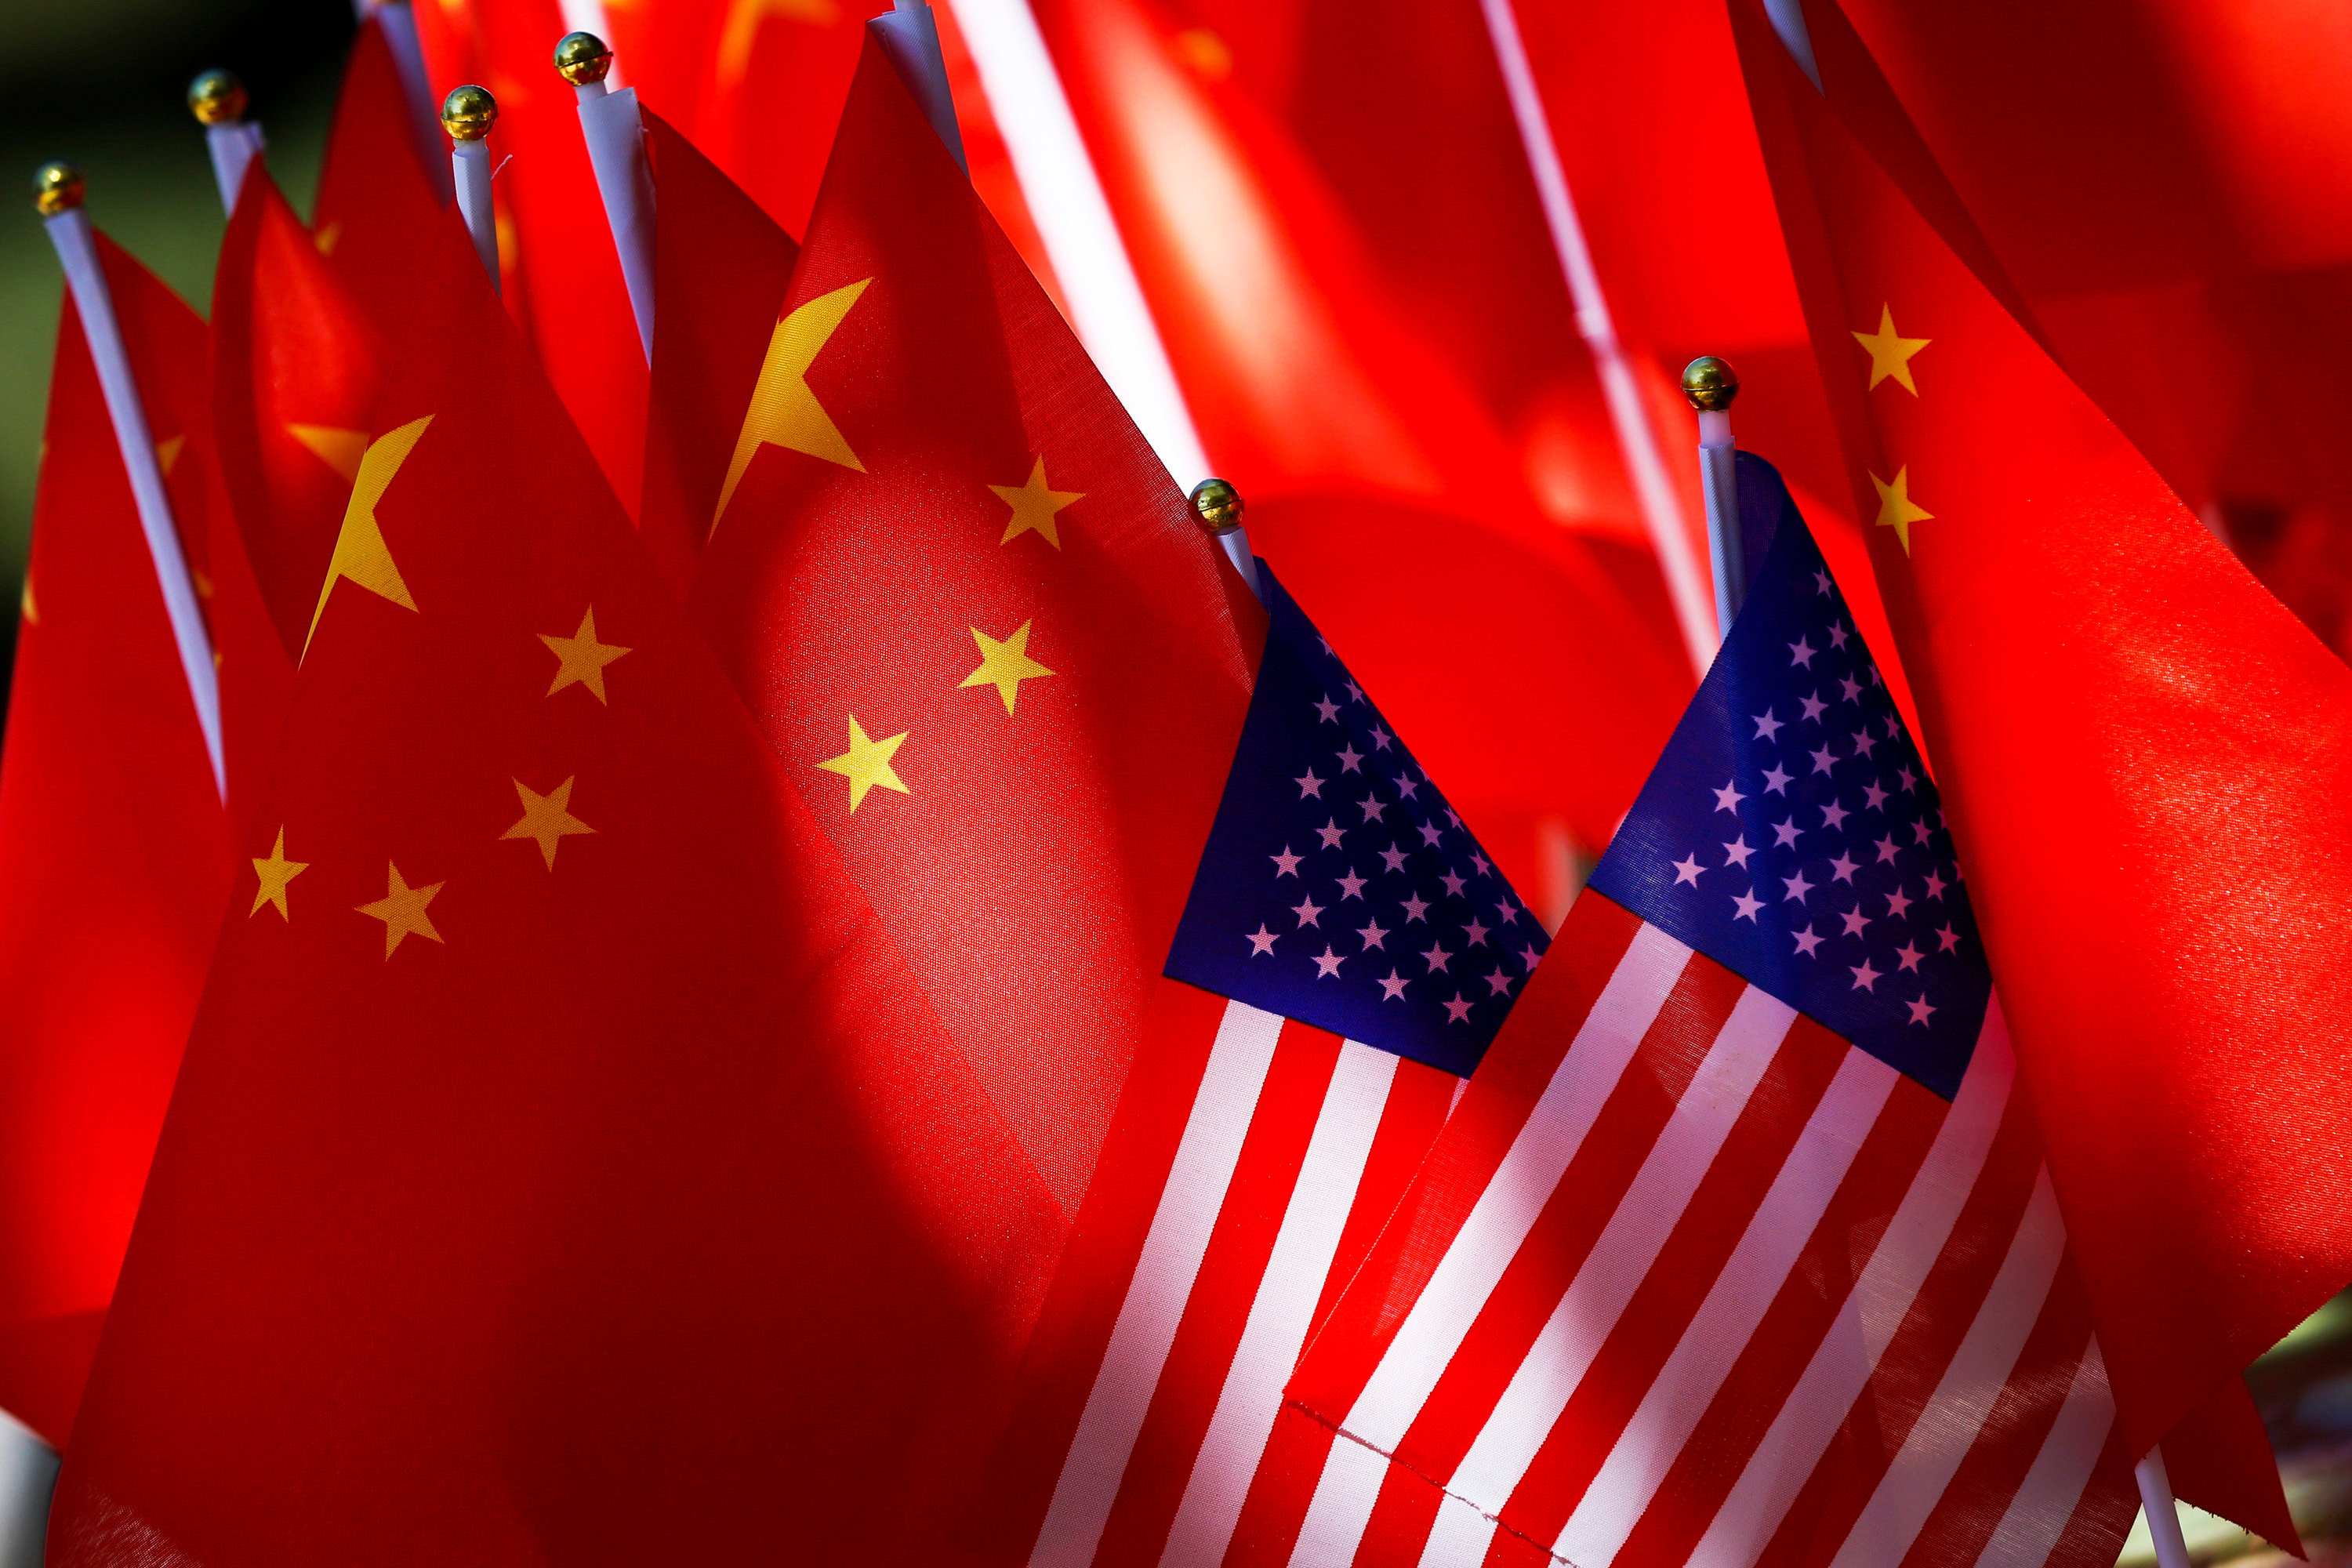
[1540, 1274]
[1067, 1347]
[1979, 1491]
[1218, 1307]
[1791, 1327]
[1873, 1432]
[1280, 1491]
[1685, 1271]
[2095, 1534]
[1401, 1522]
[1591, 943]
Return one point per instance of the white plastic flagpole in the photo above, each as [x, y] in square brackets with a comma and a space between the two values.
[467, 114]
[1710, 384]
[398, 23]
[58, 195]
[1074, 219]
[217, 100]
[615, 133]
[909, 34]
[28, 1475]
[1637, 439]
[2163, 1516]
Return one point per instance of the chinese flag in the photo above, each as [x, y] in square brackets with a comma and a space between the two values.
[565, 1168]
[993, 653]
[2143, 755]
[113, 853]
[720, 268]
[376, 204]
[296, 369]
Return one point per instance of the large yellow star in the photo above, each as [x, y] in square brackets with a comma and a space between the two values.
[341, 449]
[1895, 508]
[866, 763]
[361, 554]
[275, 873]
[546, 817]
[1033, 506]
[1005, 665]
[401, 911]
[1890, 354]
[784, 412]
[580, 657]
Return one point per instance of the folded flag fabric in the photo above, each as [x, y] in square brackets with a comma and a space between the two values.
[1740, 1248]
[1281, 1100]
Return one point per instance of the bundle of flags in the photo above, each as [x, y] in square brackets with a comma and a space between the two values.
[666, 901]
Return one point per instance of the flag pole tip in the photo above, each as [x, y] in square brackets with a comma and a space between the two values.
[582, 58]
[468, 112]
[57, 188]
[1710, 384]
[216, 98]
[1217, 506]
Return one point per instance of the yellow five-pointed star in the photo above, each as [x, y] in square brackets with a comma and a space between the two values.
[1033, 506]
[1895, 508]
[275, 873]
[1890, 354]
[866, 763]
[401, 911]
[546, 817]
[361, 554]
[341, 449]
[784, 412]
[1005, 665]
[580, 657]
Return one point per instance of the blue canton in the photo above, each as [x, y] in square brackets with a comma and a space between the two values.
[1790, 833]
[1339, 887]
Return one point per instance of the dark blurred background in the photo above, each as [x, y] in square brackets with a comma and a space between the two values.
[103, 83]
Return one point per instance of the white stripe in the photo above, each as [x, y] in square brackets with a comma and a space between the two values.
[1154, 1305]
[1341, 1507]
[1460, 1537]
[1074, 218]
[1842, 1365]
[1940, 1439]
[1284, 1307]
[1496, 1225]
[1645, 1216]
[1736, 1303]
[1499, 1220]
[2045, 1502]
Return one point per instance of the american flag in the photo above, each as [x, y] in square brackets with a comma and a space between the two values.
[1740, 1248]
[1347, 953]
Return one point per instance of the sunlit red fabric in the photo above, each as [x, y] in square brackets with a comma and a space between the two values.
[375, 201]
[2143, 755]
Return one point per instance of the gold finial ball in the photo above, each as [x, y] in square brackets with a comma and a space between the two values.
[1217, 505]
[216, 98]
[1710, 384]
[57, 188]
[582, 59]
[468, 112]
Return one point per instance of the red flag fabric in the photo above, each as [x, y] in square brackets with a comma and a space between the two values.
[720, 268]
[114, 857]
[375, 203]
[563, 276]
[557, 1170]
[933, 501]
[2142, 753]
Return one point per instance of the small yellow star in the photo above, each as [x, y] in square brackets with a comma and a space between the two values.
[580, 657]
[401, 911]
[1033, 506]
[275, 873]
[1895, 508]
[1005, 665]
[866, 763]
[26, 605]
[546, 817]
[1891, 354]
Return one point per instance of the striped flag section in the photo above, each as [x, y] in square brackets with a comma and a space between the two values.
[1250, 1167]
[1690, 1280]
